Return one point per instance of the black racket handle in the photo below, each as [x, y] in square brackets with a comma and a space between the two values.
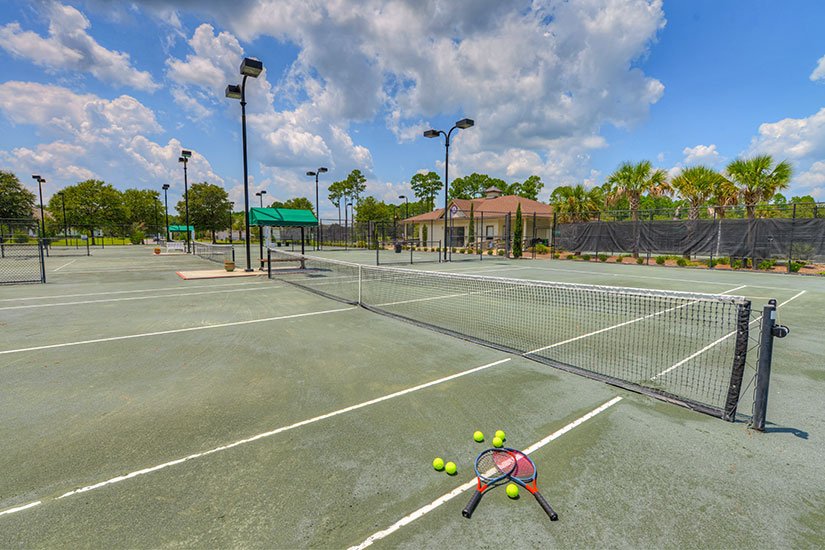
[546, 506]
[468, 510]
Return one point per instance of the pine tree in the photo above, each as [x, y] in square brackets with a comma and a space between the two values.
[518, 234]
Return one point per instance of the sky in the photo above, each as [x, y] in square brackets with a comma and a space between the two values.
[566, 90]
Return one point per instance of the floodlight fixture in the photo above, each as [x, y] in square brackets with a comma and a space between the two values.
[186, 154]
[465, 123]
[431, 133]
[233, 91]
[251, 67]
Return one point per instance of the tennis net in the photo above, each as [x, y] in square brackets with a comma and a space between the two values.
[685, 348]
[215, 252]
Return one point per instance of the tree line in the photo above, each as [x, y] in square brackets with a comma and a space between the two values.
[753, 183]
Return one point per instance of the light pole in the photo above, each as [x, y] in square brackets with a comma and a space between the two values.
[249, 67]
[462, 124]
[65, 225]
[231, 206]
[166, 207]
[40, 182]
[157, 229]
[347, 208]
[184, 158]
[320, 170]
[260, 227]
[406, 213]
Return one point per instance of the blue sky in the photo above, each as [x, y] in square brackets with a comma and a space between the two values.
[564, 90]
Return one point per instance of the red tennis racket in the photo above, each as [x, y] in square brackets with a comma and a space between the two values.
[525, 474]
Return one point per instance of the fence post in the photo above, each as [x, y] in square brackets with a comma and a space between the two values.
[42, 262]
[553, 237]
[268, 262]
[533, 240]
[790, 244]
[770, 330]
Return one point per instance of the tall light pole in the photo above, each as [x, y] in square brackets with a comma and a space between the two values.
[231, 206]
[65, 225]
[320, 170]
[260, 227]
[406, 213]
[166, 208]
[347, 208]
[249, 67]
[462, 124]
[184, 158]
[40, 182]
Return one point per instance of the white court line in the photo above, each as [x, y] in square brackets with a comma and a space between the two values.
[266, 434]
[720, 340]
[64, 265]
[406, 520]
[174, 331]
[648, 316]
[21, 508]
[132, 298]
[124, 269]
[182, 285]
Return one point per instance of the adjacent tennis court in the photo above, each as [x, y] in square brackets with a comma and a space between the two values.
[142, 410]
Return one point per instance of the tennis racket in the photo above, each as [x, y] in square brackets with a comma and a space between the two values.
[525, 474]
[492, 467]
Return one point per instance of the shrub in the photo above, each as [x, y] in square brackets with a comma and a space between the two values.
[795, 266]
[603, 257]
[541, 249]
[766, 264]
[723, 261]
[461, 251]
[736, 264]
[586, 257]
[660, 260]
[452, 250]
[556, 256]
[137, 236]
[681, 262]
[501, 252]
[490, 252]
[21, 238]
[640, 261]
[619, 259]
[711, 263]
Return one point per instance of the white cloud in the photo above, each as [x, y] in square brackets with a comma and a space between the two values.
[819, 71]
[70, 47]
[701, 154]
[794, 138]
[95, 137]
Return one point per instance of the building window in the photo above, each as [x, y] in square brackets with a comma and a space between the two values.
[490, 231]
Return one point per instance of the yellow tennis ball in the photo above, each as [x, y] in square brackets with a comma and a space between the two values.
[438, 463]
[478, 436]
[497, 442]
[500, 435]
[450, 468]
[512, 490]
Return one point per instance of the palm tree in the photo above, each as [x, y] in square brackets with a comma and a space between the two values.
[724, 195]
[758, 179]
[696, 185]
[577, 203]
[634, 180]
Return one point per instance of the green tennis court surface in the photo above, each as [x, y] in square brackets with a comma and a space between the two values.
[140, 410]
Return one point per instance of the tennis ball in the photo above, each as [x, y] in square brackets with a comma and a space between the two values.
[438, 463]
[450, 468]
[500, 435]
[478, 436]
[497, 442]
[512, 490]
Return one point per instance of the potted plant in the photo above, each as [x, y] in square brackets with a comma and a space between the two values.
[229, 265]
[157, 250]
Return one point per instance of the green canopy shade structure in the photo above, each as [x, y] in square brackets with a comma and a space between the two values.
[180, 228]
[282, 217]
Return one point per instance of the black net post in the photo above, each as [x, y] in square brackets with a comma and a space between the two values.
[739, 361]
[42, 262]
[770, 330]
[507, 233]
[268, 261]
[533, 240]
[303, 241]
[553, 236]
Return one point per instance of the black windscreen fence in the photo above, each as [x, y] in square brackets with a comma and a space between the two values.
[800, 239]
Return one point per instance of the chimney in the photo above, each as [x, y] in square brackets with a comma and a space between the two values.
[492, 192]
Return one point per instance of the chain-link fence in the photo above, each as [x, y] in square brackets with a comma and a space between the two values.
[21, 263]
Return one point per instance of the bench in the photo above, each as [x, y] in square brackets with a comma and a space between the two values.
[176, 246]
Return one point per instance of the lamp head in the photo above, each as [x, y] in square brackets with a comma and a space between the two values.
[165, 186]
[431, 133]
[186, 154]
[465, 123]
[251, 67]
[233, 91]
[181, 159]
[322, 170]
[402, 196]
[310, 173]
[263, 192]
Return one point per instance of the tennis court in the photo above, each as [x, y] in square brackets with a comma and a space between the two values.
[142, 410]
